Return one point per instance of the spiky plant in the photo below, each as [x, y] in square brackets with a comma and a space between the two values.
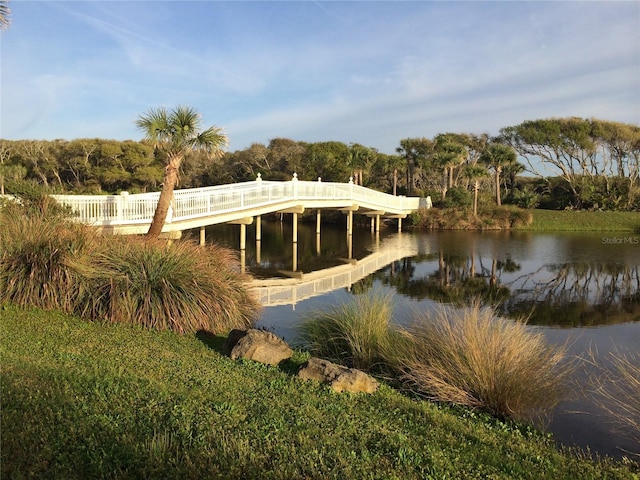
[472, 357]
[181, 287]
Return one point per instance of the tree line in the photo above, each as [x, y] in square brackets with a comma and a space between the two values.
[552, 163]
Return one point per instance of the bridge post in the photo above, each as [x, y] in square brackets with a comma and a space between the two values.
[122, 204]
[243, 237]
[258, 228]
[399, 224]
[294, 181]
[202, 236]
[318, 222]
[350, 223]
[295, 227]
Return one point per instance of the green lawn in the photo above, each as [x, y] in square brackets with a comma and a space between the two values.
[84, 400]
[574, 220]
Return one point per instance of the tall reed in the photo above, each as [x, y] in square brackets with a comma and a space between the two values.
[472, 357]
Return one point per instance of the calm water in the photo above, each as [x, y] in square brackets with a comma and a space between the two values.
[582, 288]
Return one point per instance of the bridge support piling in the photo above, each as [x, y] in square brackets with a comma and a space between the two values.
[318, 222]
[295, 228]
[258, 228]
[399, 225]
[373, 224]
[202, 236]
[243, 237]
[350, 223]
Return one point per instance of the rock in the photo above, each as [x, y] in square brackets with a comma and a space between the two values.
[258, 345]
[341, 379]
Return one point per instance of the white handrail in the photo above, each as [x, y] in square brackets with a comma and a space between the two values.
[127, 209]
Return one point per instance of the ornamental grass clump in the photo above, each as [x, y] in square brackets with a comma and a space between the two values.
[180, 286]
[356, 333]
[35, 251]
[472, 357]
[615, 387]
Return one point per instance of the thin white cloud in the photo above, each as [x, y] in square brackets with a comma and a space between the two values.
[367, 72]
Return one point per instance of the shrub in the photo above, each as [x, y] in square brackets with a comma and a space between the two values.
[356, 333]
[472, 357]
[50, 262]
[457, 197]
[36, 247]
[525, 198]
[492, 218]
[506, 217]
[181, 287]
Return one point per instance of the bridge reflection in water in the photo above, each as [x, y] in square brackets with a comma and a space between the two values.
[289, 291]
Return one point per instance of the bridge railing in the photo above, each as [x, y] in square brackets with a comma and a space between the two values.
[186, 204]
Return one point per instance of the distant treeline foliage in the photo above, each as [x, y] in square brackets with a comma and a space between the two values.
[556, 163]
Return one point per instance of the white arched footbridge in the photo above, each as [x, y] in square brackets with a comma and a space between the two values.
[236, 203]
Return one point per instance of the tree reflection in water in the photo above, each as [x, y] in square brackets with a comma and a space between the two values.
[562, 295]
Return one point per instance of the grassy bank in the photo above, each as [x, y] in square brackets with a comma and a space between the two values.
[85, 400]
[577, 221]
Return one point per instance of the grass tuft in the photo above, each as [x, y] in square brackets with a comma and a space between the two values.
[51, 262]
[181, 287]
[472, 357]
[35, 250]
[354, 333]
[616, 389]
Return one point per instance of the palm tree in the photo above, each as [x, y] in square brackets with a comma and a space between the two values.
[449, 154]
[497, 156]
[5, 13]
[175, 133]
[475, 173]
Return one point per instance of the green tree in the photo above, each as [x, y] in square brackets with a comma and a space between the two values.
[563, 144]
[415, 151]
[475, 173]
[449, 154]
[327, 160]
[498, 156]
[285, 157]
[175, 133]
[361, 158]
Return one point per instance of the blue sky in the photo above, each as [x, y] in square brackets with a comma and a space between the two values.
[366, 72]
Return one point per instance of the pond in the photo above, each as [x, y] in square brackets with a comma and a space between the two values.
[581, 289]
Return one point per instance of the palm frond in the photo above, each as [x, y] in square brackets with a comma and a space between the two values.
[5, 15]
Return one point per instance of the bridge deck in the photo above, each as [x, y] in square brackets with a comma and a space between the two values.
[198, 207]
